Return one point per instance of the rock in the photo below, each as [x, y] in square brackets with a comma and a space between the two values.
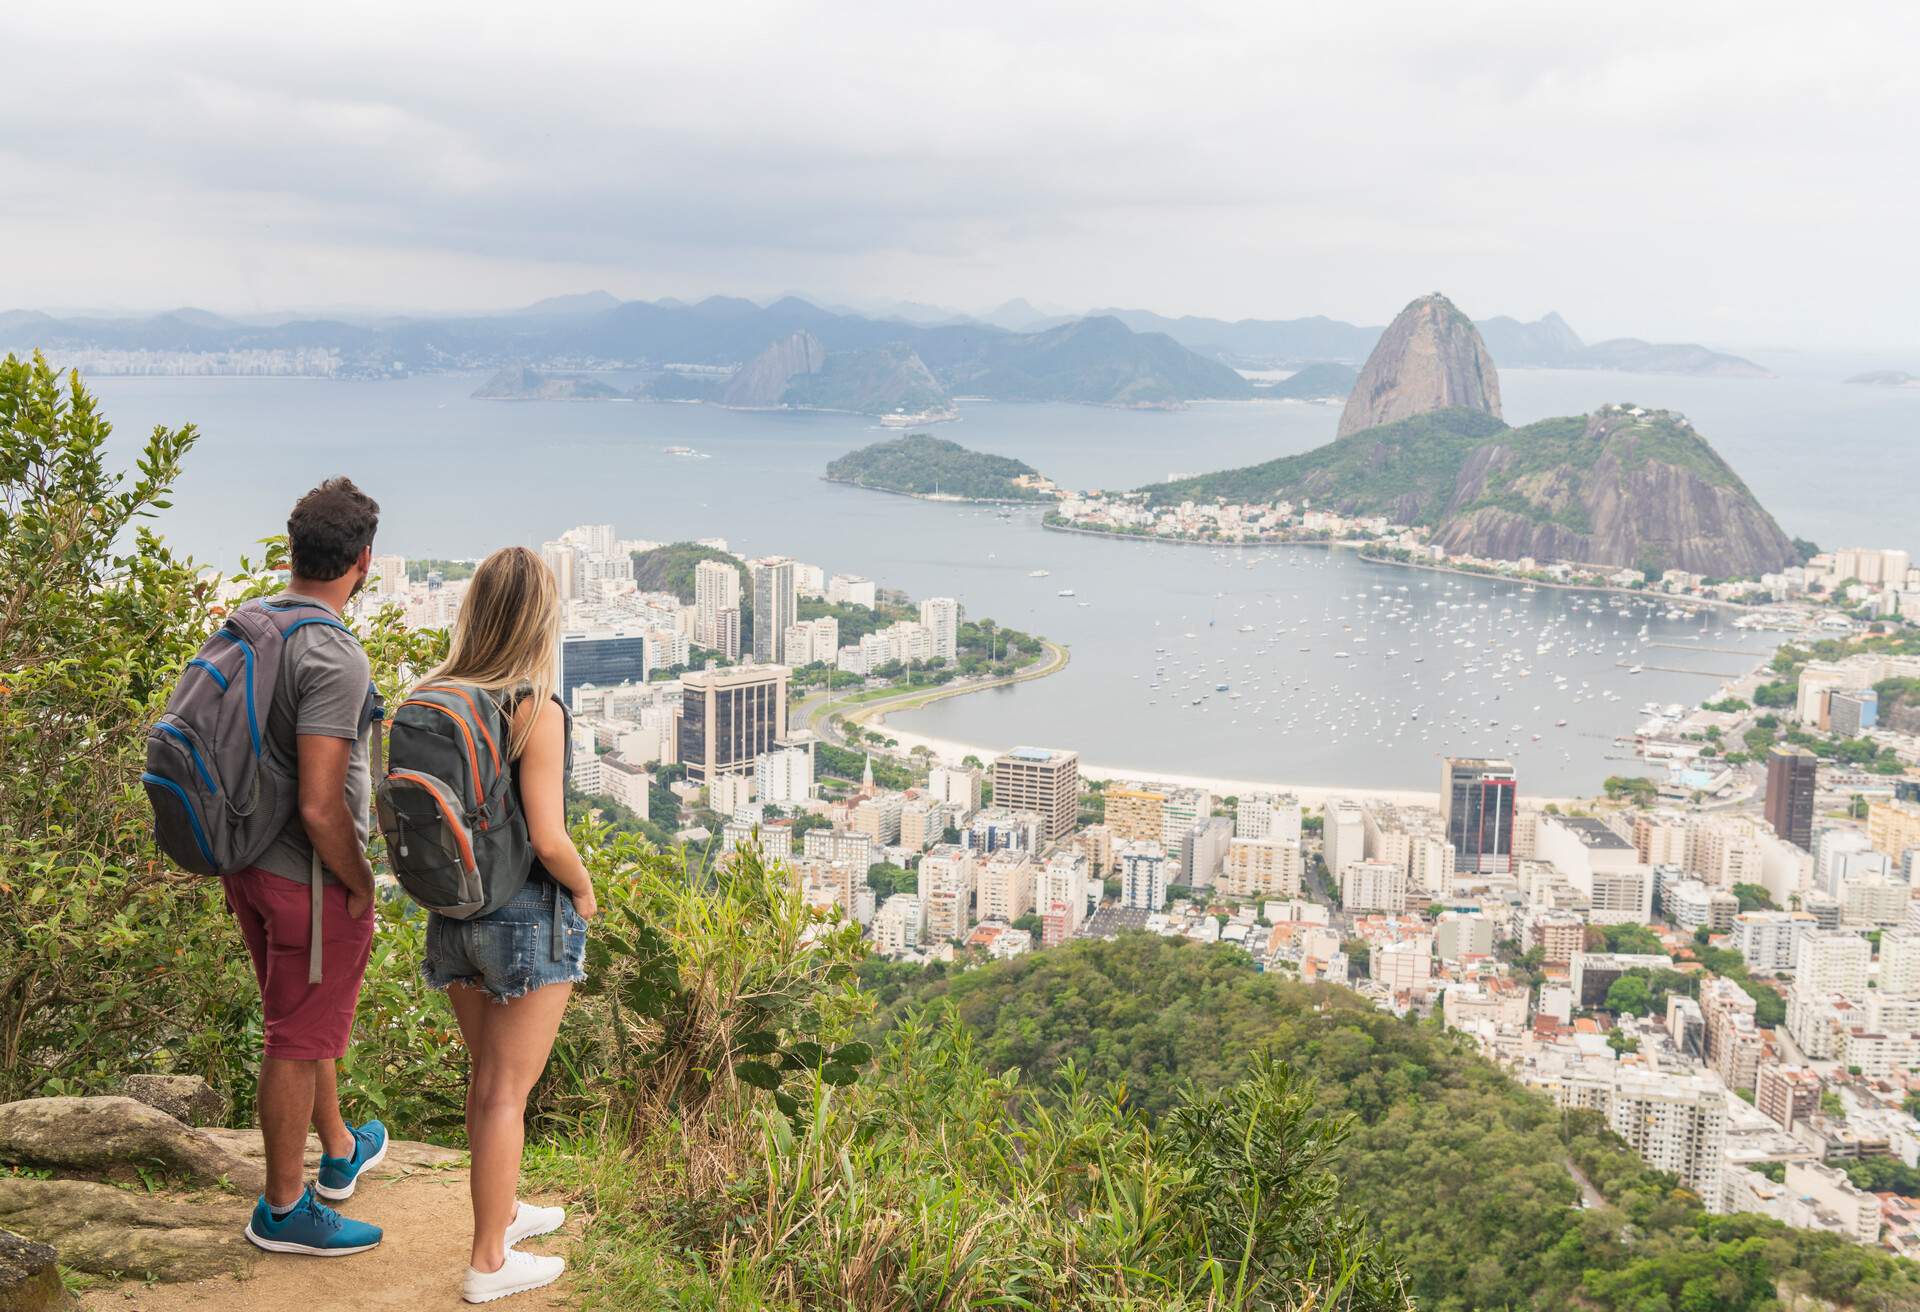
[104, 1230]
[1430, 358]
[29, 1276]
[115, 1138]
[763, 380]
[185, 1097]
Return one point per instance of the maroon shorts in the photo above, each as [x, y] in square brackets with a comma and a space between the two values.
[304, 1022]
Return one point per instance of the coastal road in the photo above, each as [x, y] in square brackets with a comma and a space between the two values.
[815, 710]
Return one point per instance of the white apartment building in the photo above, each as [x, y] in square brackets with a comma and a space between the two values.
[1343, 835]
[1258, 867]
[940, 616]
[1006, 886]
[1899, 963]
[878, 817]
[1770, 940]
[1677, 1123]
[1403, 967]
[1268, 818]
[957, 786]
[1462, 934]
[1060, 896]
[1181, 812]
[852, 590]
[1373, 886]
[922, 823]
[784, 776]
[1832, 962]
[896, 926]
[1872, 901]
[1143, 875]
[1600, 864]
[948, 888]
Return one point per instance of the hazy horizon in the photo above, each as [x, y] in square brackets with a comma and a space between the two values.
[1716, 174]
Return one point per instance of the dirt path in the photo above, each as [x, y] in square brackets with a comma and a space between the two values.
[422, 1205]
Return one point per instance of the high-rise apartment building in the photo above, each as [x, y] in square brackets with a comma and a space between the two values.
[1266, 817]
[1044, 781]
[1893, 827]
[1258, 867]
[1181, 812]
[1373, 886]
[563, 558]
[1791, 772]
[1899, 962]
[1143, 876]
[1476, 807]
[776, 604]
[716, 607]
[957, 786]
[1006, 886]
[731, 717]
[1832, 962]
[941, 618]
[1060, 896]
[1676, 1123]
[1134, 814]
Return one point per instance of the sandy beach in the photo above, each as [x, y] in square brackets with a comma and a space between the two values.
[949, 752]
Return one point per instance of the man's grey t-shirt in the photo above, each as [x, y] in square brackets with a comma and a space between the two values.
[323, 693]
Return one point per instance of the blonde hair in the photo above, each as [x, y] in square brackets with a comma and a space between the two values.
[507, 636]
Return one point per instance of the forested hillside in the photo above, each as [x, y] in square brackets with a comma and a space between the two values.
[1464, 1173]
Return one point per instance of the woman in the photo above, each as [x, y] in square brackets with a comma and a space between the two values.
[499, 971]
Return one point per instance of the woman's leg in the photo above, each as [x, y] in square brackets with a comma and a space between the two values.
[515, 1040]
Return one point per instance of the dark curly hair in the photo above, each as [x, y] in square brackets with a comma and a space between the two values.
[329, 528]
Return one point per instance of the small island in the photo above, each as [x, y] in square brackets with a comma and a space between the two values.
[522, 384]
[1887, 378]
[934, 469]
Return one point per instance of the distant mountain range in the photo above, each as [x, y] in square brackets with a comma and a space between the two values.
[1014, 352]
[1546, 343]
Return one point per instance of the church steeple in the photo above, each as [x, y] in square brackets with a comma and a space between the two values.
[866, 776]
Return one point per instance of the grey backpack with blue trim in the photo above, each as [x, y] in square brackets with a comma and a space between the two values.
[221, 789]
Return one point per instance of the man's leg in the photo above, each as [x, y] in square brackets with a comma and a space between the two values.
[335, 1139]
[286, 1108]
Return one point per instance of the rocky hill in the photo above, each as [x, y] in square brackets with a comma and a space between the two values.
[1430, 358]
[763, 380]
[1097, 361]
[1316, 382]
[879, 380]
[1549, 343]
[1624, 486]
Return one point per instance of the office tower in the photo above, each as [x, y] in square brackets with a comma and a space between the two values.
[1043, 780]
[730, 717]
[603, 658]
[1790, 778]
[1143, 876]
[1476, 808]
[716, 607]
[941, 616]
[1676, 1123]
[775, 605]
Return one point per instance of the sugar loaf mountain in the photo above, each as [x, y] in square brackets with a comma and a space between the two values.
[1422, 442]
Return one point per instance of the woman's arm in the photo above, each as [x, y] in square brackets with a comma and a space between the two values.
[543, 798]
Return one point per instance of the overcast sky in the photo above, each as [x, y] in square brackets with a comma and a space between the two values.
[1741, 174]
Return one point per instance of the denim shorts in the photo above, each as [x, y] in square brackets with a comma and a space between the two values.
[510, 952]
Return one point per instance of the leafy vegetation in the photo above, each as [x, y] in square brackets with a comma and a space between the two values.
[1464, 1173]
[923, 466]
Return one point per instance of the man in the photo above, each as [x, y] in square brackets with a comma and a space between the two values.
[320, 720]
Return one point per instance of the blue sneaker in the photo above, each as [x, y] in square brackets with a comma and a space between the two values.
[339, 1175]
[312, 1228]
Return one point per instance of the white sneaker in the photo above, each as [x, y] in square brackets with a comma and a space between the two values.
[529, 1221]
[518, 1274]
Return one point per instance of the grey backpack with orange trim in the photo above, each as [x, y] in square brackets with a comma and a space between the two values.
[448, 805]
